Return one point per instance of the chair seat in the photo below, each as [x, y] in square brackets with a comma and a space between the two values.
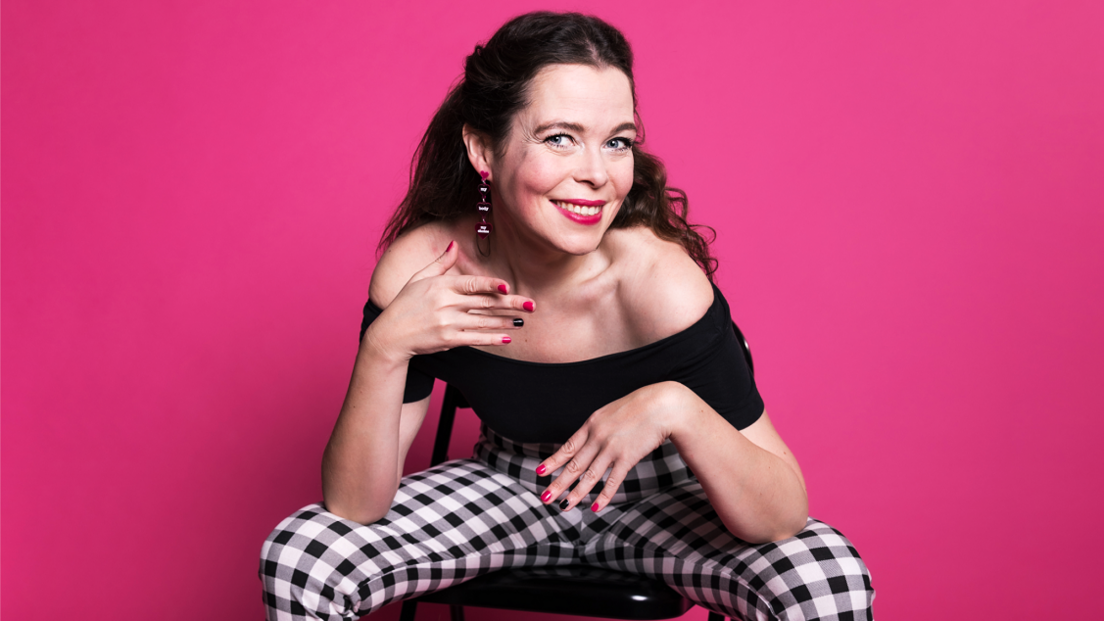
[571, 590]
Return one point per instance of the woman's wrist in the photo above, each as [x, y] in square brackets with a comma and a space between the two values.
[683, 407]
[376, 347]
[694, 424]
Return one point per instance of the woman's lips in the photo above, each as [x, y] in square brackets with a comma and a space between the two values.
[581, 211]
[582, 201]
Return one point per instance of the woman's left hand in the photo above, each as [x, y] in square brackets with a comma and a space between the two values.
[617, 436]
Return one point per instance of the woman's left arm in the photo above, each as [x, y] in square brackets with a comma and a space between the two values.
[751, 477]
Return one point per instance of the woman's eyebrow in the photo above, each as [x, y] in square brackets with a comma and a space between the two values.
[575, 127]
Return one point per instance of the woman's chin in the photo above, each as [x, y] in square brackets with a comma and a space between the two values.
[579, 245]
[576, 240]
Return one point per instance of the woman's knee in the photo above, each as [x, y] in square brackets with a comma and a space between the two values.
[311, 566]
[817, 574]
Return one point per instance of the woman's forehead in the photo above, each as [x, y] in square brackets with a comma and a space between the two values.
[595, 98]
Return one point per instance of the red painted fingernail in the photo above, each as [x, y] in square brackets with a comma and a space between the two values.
[528, 306]
[506, 339]
[450, 246]
[541, 469]
[594, 507]
[545, 497]
[502, 288]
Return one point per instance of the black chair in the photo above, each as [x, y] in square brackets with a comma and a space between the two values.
[570, 590]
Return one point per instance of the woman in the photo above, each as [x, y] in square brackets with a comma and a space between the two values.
[577, 315]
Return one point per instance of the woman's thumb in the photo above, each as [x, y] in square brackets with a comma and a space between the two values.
[444, 262]
[440, 265]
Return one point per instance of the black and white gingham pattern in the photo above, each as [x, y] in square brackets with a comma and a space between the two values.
[677, 536]
[467, 517]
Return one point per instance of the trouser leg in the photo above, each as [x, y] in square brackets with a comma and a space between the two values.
[676, 536]
[447, 524]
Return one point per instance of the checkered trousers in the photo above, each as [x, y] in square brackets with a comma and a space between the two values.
[464, 518]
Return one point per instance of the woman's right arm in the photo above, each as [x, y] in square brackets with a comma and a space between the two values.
[363, 462]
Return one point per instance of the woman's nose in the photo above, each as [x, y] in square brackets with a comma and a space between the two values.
[592, 168]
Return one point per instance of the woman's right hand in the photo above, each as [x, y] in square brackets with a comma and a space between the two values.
[436, 311]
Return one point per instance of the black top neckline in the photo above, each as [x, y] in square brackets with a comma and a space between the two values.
[697, 325]
[548, 401]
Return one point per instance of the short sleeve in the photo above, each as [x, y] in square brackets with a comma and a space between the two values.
[418, 384]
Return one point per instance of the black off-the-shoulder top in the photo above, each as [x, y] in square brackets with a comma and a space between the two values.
[547, 402]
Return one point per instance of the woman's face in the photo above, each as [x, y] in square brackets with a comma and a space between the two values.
[562, 172]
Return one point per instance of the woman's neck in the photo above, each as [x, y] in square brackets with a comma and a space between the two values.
[535, 268]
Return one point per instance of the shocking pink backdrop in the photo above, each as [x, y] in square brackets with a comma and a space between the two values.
[909, 206]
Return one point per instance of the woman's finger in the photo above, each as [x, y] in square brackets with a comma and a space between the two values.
[480, 339]
[569, 478]
[566, 451]
[494, 288]
[495, 302]
[490, 322]
[588, 479]
[572, 469]
[476, 285]
[613, 483]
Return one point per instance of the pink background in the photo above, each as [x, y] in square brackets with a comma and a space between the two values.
[909, 199]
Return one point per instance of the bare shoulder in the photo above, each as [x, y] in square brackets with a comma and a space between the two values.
[408, 255]
[661, 290]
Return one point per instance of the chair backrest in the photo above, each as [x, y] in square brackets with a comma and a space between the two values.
[454, 400]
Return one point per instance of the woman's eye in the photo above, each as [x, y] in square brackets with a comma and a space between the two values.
[559, 140]
[620, 144]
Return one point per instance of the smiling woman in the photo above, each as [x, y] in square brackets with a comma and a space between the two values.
[570, 149]
[579, 319]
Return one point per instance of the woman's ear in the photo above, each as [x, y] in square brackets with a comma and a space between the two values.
[480, 153]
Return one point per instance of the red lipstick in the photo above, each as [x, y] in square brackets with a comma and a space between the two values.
[588, 219]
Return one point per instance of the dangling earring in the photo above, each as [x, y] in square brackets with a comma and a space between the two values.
[483, 228]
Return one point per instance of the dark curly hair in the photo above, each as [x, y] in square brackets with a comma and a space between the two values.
[495, 86]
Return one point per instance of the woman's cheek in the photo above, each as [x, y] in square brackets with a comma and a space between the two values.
[624, 176]
[547, 175]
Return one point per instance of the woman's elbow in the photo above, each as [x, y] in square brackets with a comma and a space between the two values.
[794, 521]
[793, 526]
[780, 527]
[360, 499]
[361, 515]
[358, 504]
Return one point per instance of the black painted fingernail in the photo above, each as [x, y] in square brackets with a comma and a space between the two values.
[518, 322]
[563, 504]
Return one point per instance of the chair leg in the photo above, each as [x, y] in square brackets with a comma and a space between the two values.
[716, 616]
[456, 612]
[406, 613]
